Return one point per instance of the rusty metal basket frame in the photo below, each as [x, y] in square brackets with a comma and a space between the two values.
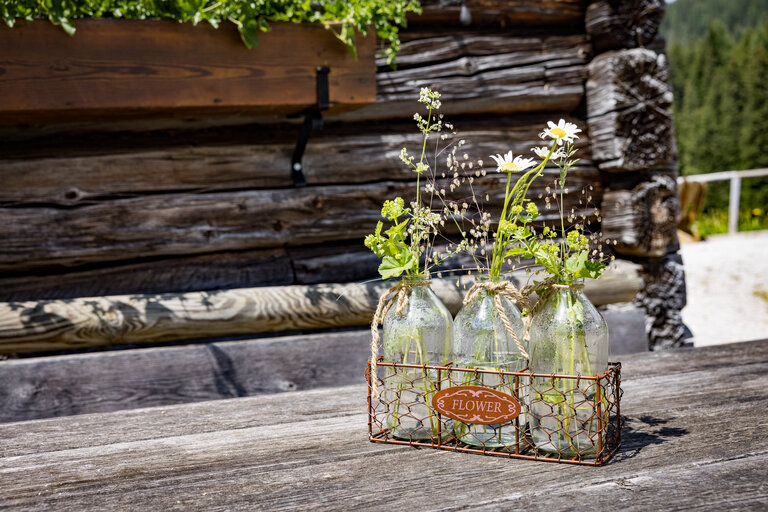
[607, 446]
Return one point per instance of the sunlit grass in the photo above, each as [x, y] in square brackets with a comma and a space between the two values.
[715, 221]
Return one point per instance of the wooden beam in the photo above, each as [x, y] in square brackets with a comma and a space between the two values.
[188, 223]
[535, 74]
[99, 321]
[199, 272]
[512, 13]
[133, 68]
[115, 380]
[251, 158]
[618, 24]
[643, 220]
[149, 377]
[628, 111]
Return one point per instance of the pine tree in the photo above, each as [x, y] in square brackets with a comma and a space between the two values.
[754, 147]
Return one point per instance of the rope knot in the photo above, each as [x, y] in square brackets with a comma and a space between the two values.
[507, 290]
[396, 296]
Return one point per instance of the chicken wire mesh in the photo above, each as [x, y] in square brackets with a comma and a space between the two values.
[519, 414]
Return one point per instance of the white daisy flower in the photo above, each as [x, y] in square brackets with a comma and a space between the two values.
[561, 132]
[543, 151]
[506, 163]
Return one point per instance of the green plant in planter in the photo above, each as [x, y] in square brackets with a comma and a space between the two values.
[250, 16]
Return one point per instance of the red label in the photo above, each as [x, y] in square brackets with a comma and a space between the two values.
[475, 404]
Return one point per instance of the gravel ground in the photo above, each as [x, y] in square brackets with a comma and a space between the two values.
[727, 281]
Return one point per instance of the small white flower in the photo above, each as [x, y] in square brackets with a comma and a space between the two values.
[506, 163]
[561, 132]
[543, 151]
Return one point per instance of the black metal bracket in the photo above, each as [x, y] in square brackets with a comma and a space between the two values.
[313, 122]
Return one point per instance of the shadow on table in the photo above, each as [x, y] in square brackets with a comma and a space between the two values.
[639, 432]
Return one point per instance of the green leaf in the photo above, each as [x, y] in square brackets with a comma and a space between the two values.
[515, 251]
[390, 267]
[576, 263]
[249, 33]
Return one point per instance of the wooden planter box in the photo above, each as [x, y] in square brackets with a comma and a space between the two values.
[139, 68]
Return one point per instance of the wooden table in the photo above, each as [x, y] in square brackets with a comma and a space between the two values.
[696, 436]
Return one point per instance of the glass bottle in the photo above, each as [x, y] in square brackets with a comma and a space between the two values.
[568, 336]
[480, 340]
[420, 335]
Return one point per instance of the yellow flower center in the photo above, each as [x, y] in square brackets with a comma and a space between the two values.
[559, 132]
[509, 167]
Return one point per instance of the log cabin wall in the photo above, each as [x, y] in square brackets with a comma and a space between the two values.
[166, 214]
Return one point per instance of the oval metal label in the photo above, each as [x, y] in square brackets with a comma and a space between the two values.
[476, 404]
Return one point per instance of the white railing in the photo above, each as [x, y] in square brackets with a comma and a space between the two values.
[735, 190]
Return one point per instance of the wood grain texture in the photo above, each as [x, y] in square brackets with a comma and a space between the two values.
[511, 13]
[288, 451]
[42, 387]
[483, 74]
[643, 220]
[204, 162]
[195, 223]
[663, 298]
[205, 272]
[99, 321]
[63, 385]
[629, 113]
[127, 67]
[618, 24]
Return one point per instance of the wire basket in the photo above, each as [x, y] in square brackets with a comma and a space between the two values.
[563, 418]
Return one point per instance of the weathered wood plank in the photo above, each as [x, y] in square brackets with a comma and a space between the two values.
[132, 67]
[189, 162]
[647, 376]
[98, 321]
[628, 111]
[681, 429]
[169, 224]
[643, 220]
[512, 13]
[617, 24]
[63, 385]
[243, 269]
[45, 387]
[536, 74]
[441, 50]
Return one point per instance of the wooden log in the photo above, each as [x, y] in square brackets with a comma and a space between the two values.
[135, 68]
[618, 24]
[205, 272]
[419, 49]
[99, 321]
[643, 220]
[628, 111]
[662, 298]
[513, 13]
[536, 74]
[174, 224]
[240, 159]
[115, 380]
[63, 385]
[550, 79]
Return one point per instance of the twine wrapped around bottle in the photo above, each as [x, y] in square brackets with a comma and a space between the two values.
[501, 289]
[506, 289]
[396, 296]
